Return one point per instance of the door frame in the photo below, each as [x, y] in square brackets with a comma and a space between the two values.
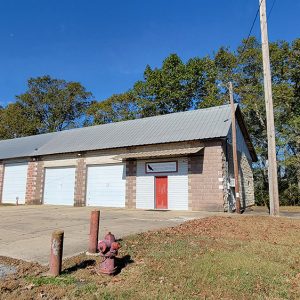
[165, 176]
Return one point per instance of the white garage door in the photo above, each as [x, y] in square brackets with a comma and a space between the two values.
[59, 186]
[106, 186]
[14, 185]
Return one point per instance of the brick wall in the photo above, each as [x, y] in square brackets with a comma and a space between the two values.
[246, 182]
[206, 173]
[1, 180]
[226, 176]
[207, 189]
[131, 184]
[39, 191]
[31, 184]
[80, 183]
[34, 185]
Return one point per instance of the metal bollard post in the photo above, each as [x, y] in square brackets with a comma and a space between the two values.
[94, 231]
[57, 242]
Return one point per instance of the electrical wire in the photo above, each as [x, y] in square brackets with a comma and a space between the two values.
[252, 26]
[270, 11]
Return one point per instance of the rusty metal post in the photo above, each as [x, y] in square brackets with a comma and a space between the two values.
[94, 231]
[57, 242]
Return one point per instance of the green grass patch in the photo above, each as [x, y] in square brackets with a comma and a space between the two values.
[63, 280]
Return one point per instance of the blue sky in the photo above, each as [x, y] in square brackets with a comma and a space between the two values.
[106, 45]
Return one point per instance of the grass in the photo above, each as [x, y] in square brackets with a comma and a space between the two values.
[290, 208]
[282, 209]
[240, 257]
[58, 281]
[219, 268]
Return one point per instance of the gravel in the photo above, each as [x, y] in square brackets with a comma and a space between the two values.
[6, 270]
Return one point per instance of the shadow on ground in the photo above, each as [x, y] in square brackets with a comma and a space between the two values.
[121, 263]
[82, 265]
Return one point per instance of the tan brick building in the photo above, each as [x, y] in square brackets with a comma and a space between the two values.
[180, 161]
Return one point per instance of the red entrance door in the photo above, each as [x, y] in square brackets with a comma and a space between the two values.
[161, 192]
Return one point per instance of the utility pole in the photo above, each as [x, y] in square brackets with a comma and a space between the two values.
[234, 152]
[272, 164]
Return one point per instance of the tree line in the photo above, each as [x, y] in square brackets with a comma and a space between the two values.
[52, 104]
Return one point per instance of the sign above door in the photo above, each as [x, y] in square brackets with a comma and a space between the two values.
[161, 167]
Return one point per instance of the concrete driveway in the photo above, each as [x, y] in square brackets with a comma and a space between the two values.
[25, 231]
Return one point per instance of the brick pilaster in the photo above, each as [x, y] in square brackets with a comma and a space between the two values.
[34, 184]
[80, 183]
[39, 183]
[130, 184]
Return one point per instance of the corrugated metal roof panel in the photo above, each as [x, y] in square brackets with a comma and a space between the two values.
[190, 125]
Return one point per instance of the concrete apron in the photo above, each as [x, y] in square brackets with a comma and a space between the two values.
[25, 231]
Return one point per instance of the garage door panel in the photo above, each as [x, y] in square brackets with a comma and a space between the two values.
[106, 186]
[14, 184]
[59, 186]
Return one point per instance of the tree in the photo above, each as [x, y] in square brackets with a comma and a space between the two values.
[54, 104]
[292, 126]
[15, 122]
[201, 82]
[164, 90]
[119, 107]
[51, 104]
[285, 103]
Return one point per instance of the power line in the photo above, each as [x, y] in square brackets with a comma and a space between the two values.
[253, 23]
[252, 26]
[270, 11]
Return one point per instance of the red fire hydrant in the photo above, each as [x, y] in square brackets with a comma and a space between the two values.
[108, 249]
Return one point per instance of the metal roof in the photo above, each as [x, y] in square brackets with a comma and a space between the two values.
[198, 124]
